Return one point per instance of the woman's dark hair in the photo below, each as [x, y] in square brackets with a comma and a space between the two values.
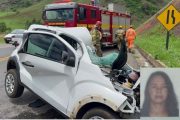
[171, 101]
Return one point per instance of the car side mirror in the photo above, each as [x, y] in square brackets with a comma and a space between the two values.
[71, 62]
[15, 44]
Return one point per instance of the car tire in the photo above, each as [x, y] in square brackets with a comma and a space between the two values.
[12, 87]
[100, 113]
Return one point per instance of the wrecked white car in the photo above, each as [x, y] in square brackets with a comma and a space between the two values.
[59, 65]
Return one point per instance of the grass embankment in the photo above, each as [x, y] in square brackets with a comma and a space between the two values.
[1, 39]
[7, 13]
[154, 42]
[18, 19]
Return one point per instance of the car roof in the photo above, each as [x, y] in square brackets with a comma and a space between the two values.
[18, 30]
[80, 33]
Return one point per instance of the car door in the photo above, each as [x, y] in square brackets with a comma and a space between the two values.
[44, 68]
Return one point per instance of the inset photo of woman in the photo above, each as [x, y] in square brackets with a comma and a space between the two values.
[160, 88]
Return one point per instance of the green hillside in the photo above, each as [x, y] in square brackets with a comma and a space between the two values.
[16, 4]
[18, 18]
[152, 38]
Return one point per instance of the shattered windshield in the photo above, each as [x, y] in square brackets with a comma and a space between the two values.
[106, 60]
[60, 15]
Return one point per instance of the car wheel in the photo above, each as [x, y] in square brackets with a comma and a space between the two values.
[12, 87]
[100, 113]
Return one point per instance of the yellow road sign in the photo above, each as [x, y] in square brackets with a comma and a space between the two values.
[170, 17]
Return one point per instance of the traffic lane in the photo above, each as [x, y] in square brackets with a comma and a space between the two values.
[18, 107]
[6, 50]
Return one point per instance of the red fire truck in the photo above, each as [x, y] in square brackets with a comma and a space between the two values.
[71, 14]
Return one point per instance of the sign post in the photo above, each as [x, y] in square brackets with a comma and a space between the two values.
[169, 18]
[167, 40]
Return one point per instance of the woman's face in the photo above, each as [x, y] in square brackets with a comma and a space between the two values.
[158, 90]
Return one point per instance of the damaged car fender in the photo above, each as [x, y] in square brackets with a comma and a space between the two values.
[93, 89]
[110, 99]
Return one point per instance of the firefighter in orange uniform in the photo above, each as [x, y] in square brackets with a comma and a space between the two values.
[96, 38]
[130, 36]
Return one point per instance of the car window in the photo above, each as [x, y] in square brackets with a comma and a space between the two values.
[38, 44]
[93, 13]
[48, 47]
[56, 49]
[70, 40]
[73, 43]
[82, 13]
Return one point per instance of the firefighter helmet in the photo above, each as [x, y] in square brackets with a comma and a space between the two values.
[98, 23]
[120, 27]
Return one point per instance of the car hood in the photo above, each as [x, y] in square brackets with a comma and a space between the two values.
[9, 35]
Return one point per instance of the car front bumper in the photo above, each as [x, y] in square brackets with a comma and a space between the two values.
[7, 40]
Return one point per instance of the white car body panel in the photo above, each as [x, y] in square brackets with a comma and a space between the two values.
[49, 80]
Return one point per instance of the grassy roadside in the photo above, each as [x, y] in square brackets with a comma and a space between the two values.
[6, 13]
[1, 39]
[154, 42]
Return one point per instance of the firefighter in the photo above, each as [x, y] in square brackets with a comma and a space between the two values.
[119, 35]
[130, 36]
[96, 37]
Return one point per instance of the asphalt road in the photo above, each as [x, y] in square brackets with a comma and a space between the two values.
[5, 50]
[18, 108]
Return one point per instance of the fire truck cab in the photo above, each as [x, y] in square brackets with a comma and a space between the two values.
[72, 14]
